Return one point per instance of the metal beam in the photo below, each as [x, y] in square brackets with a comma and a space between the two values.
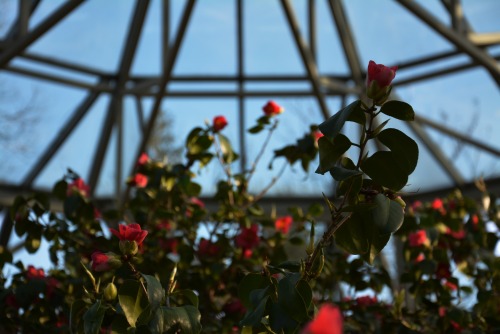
[166, 76]
[54, 78]
[63, 134]
[439, 73]
[458, 40]
[64, 64]
[437, 153]
[115, 104]
[241, 68]
[458, 135]
[306, 56]
[347, 39]
[20, 27]
[311, 11]
[21, 44]
[6, 229]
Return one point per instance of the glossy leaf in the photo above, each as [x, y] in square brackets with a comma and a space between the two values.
[249, 283]
[404, 148]
[330, 151]
[340, 173]
[383, 168]
[92, 319]
[332, 126]
[185, 319]
[156, 293]
[131, 300]
[228, 154]
[399, 110]
[290, 299]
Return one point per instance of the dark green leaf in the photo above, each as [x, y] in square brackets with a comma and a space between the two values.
[249, 283]
[60, 189]
[254, 317]
[280, 320]
[399, 110]
[256, 129]
[131, 300]
[227, 151]
[404, 148]
[190, 295]
[185, 319]
[290, 299]
[330, 151]
[156, 293]
[383, 168]
[92, 319]
[332, 126]
[351, 235]
[76, 315]
[341, 173]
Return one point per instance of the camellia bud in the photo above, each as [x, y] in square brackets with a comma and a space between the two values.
[110, 292]
[105, 261]
[378, 81]
[128, 247]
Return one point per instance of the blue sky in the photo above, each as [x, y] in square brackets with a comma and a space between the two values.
[93, 35]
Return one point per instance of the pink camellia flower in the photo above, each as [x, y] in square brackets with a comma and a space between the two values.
[443, 271]
[327, 321]
[206, 248]
[418, 239]
[283, 224]
[248, 237]
[132, 232]
[143, 159]
[138, 180]
[34, 273]
[455, 234]
[420, 258]
[78, 186]
[365, 301]
[450, 285]
[272, 109]
[105, 261]
[219, 123]
[169, 245]
[378, 81]
[317, 135]
[235, 307]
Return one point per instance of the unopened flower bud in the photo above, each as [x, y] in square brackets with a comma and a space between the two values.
[110, 292]
[128, 247]
[105, 261]
[378, 81]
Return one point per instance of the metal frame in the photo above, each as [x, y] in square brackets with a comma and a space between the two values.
[120, 83]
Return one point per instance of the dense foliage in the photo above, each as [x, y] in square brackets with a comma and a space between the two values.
[166, 263]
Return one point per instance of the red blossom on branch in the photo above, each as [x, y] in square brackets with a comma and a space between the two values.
[327, 321]
[34, 273]
[248, 238]
[283, 224]
[272, 109]
[219, 123]
[131, 232]
[418, 239]
[138, 180]
[78, 186]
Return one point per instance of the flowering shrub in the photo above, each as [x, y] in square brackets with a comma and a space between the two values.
[172, 265]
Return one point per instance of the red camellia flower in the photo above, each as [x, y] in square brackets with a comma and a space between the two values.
[248, 238]
[378, 81]
[283, 224]
[206, 248]
[317, 135]
[235, 307]
[33, 273]
[327, 321]
[78, 186]
[420, 258]
[272, 109]
[143, 159]
[365, 301]
[443, 271]
[219, 123]
[132, 232]
[450, 285]
[418, 238]
[138, 180]
[102, 262]
[169, 245]
[455, 234]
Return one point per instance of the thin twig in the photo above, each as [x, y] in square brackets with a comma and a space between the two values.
[262, 150]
